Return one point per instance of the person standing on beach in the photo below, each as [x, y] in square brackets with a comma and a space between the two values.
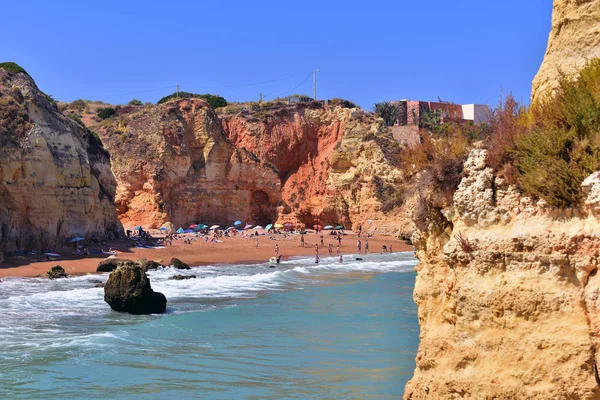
[366, 246]
[390, 248]
[302, 240]
[339, 239]
[338, 250]
[330, 249]
[322, 242]
[276, 249]
[256, 243]
[316, 249]
[358, 245]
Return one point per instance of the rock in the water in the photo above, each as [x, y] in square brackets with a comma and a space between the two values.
[128, 290]
[177, 263]
[182, 277]
[56, 272]
[111, 263]
[148, 265]
[100, 285]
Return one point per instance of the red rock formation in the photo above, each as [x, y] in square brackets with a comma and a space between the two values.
[55, 177]
[337, 165]
[174, 163]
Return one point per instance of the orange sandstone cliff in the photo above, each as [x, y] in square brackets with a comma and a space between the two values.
[337, 165]
[55, 176]
[173, 163]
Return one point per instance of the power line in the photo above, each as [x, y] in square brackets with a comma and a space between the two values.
[244, 84]
[189, 87]
[297, 86]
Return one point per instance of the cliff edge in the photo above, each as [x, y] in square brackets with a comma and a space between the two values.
[508, 295]
[55, 176]
[574, 39]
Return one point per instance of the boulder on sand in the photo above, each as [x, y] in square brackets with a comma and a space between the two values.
[128, 290]
[178, 264]
[56, 272]
[111, 263]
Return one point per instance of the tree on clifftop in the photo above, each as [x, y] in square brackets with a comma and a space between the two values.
[388, 111]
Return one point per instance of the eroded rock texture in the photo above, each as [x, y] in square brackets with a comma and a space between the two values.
[574, 39]
[508, 296]
[55, 178]
[336, 164]
[174, 163]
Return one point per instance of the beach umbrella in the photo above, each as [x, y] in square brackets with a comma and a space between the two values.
[198, 228]
[339, 227]
[163, 229]
[268, 226]
[258, 227]
[192, 226]
[236, 223]
[180, 230]
[278, 226]
[248, 226]
[76, 239]
[215, 227]
[328, 227]
[137, 228]
[188, 231]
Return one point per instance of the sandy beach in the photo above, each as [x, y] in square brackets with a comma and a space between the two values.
[199, 252]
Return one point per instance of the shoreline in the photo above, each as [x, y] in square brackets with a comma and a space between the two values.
[233, 250]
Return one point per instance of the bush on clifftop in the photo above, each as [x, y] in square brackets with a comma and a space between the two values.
[12, 67]
[215, 101]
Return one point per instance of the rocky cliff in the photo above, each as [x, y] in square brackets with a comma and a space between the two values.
[336, 164]
[55, 176]
[508, 295]
[173, 162]
[574, 39]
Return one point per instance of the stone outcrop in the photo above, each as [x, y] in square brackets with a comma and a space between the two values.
[111, 263]
[574, 39]
[128, 290]
[55, 177]
[337, 165]
[178, 264]
[56, 272]
[508, 295]
[173, 163]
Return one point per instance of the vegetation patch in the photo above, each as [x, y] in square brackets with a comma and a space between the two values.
[12, 67]
[215, 101]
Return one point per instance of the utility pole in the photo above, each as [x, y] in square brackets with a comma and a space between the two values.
[261, 97]
[315, 83]
[177, 91]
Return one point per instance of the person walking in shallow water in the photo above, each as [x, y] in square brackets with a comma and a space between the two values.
[330, 249]
[337, 252]
[317, 249]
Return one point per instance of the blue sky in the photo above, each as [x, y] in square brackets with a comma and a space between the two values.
[367, 51]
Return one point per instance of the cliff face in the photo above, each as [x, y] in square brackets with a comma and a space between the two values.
[508, 295]
[336, 165]
[174, 163]
[574, 38]
[55, 179]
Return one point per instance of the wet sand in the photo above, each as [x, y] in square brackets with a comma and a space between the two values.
[231, 250]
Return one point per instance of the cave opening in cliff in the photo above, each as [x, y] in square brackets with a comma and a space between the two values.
[263, 210]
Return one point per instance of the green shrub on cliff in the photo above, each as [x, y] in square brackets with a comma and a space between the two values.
[107, 112]
[12, 67]
[388, 111]
[549, 149]
[215, 101]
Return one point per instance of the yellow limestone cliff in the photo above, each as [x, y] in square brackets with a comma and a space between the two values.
[574, 39]
[508, 295]
[55, 176]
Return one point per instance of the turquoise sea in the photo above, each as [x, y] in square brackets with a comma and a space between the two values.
[301, 331]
